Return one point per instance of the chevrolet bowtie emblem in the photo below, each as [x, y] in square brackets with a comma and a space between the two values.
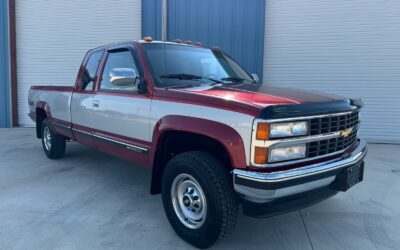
[345, 133]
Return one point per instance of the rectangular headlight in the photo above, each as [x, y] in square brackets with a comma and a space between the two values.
[288, 129]
[287, 153]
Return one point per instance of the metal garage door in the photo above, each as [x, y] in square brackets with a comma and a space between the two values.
[235, 26]
[53, 36]
[350, 48]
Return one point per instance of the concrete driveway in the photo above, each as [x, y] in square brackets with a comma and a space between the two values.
[90, 200]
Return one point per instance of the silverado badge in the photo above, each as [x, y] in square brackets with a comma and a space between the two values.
[345, 133]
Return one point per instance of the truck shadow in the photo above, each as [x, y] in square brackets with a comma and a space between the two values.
[133, 184]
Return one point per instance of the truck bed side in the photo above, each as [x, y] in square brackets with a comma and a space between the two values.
[53, 100]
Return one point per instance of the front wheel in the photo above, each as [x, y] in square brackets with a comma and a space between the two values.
[199, 199]
[53, 144]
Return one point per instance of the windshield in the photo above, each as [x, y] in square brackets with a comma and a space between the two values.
[179, 65]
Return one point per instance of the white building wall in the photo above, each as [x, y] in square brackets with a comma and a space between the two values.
[53, 37]
[351, 48]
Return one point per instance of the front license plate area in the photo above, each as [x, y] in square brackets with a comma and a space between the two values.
[349, 177]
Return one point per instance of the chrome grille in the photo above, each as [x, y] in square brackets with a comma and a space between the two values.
[332, 124]
[329, 124]
[324, 147]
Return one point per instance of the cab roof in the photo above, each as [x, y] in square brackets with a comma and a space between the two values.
[185, 43]
[142, 41]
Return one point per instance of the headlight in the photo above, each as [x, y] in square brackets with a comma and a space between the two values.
[288, 129]
[287, 153]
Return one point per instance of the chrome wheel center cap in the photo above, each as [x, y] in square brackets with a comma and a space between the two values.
[187, 201]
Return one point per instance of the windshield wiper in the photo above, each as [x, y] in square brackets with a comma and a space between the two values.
[181, 76]
[181, 86]
[189, 77]
[233, 79]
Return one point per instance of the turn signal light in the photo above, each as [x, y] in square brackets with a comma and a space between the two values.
[262, 131]
[260, 155]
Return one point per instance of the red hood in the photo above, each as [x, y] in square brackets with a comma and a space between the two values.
[254, 98]
[262, 95]
[245, 98]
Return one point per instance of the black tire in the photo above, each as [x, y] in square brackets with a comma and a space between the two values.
[221, 200]
[56, 149]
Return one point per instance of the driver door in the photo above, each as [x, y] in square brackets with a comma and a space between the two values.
[120, 113]
[82, 99]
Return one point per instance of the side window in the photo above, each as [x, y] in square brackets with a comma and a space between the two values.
[120, 72]
[89, 73]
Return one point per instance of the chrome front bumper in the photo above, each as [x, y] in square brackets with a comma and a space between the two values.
[265, 187]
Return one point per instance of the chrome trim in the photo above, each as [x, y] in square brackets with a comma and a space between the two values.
[307, 117]
[299, 140]
[292, 141]
[261, 196]
[81, 131]
[305, 171]
[60, 125]
[127, 145]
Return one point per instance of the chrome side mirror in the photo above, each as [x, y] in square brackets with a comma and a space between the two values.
[255, 77]
[123, 77]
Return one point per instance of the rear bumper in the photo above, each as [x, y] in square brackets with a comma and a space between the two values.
[256, 187]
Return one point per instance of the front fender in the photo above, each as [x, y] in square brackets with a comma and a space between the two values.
[220, 132]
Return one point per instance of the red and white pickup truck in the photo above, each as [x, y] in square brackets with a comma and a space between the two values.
[213, 137]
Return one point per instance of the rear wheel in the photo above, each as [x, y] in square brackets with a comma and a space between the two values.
[53, 144]
[199, 199]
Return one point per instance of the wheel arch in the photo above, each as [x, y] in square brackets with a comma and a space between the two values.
[177, 134]
[42, 112]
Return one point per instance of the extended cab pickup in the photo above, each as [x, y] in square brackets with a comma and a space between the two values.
[213, 137]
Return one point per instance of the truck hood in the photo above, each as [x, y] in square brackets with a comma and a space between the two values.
[259, 100]
[262, 95]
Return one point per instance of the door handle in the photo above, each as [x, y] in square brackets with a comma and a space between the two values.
[96, 103]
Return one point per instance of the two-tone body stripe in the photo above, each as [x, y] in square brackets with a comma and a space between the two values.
[58, 125]
[127, 146]
[82, 132]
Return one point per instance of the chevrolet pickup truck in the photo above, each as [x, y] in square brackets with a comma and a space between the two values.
[214, 138]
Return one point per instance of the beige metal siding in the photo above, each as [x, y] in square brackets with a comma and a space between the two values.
[53, 36]
[351, 48]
